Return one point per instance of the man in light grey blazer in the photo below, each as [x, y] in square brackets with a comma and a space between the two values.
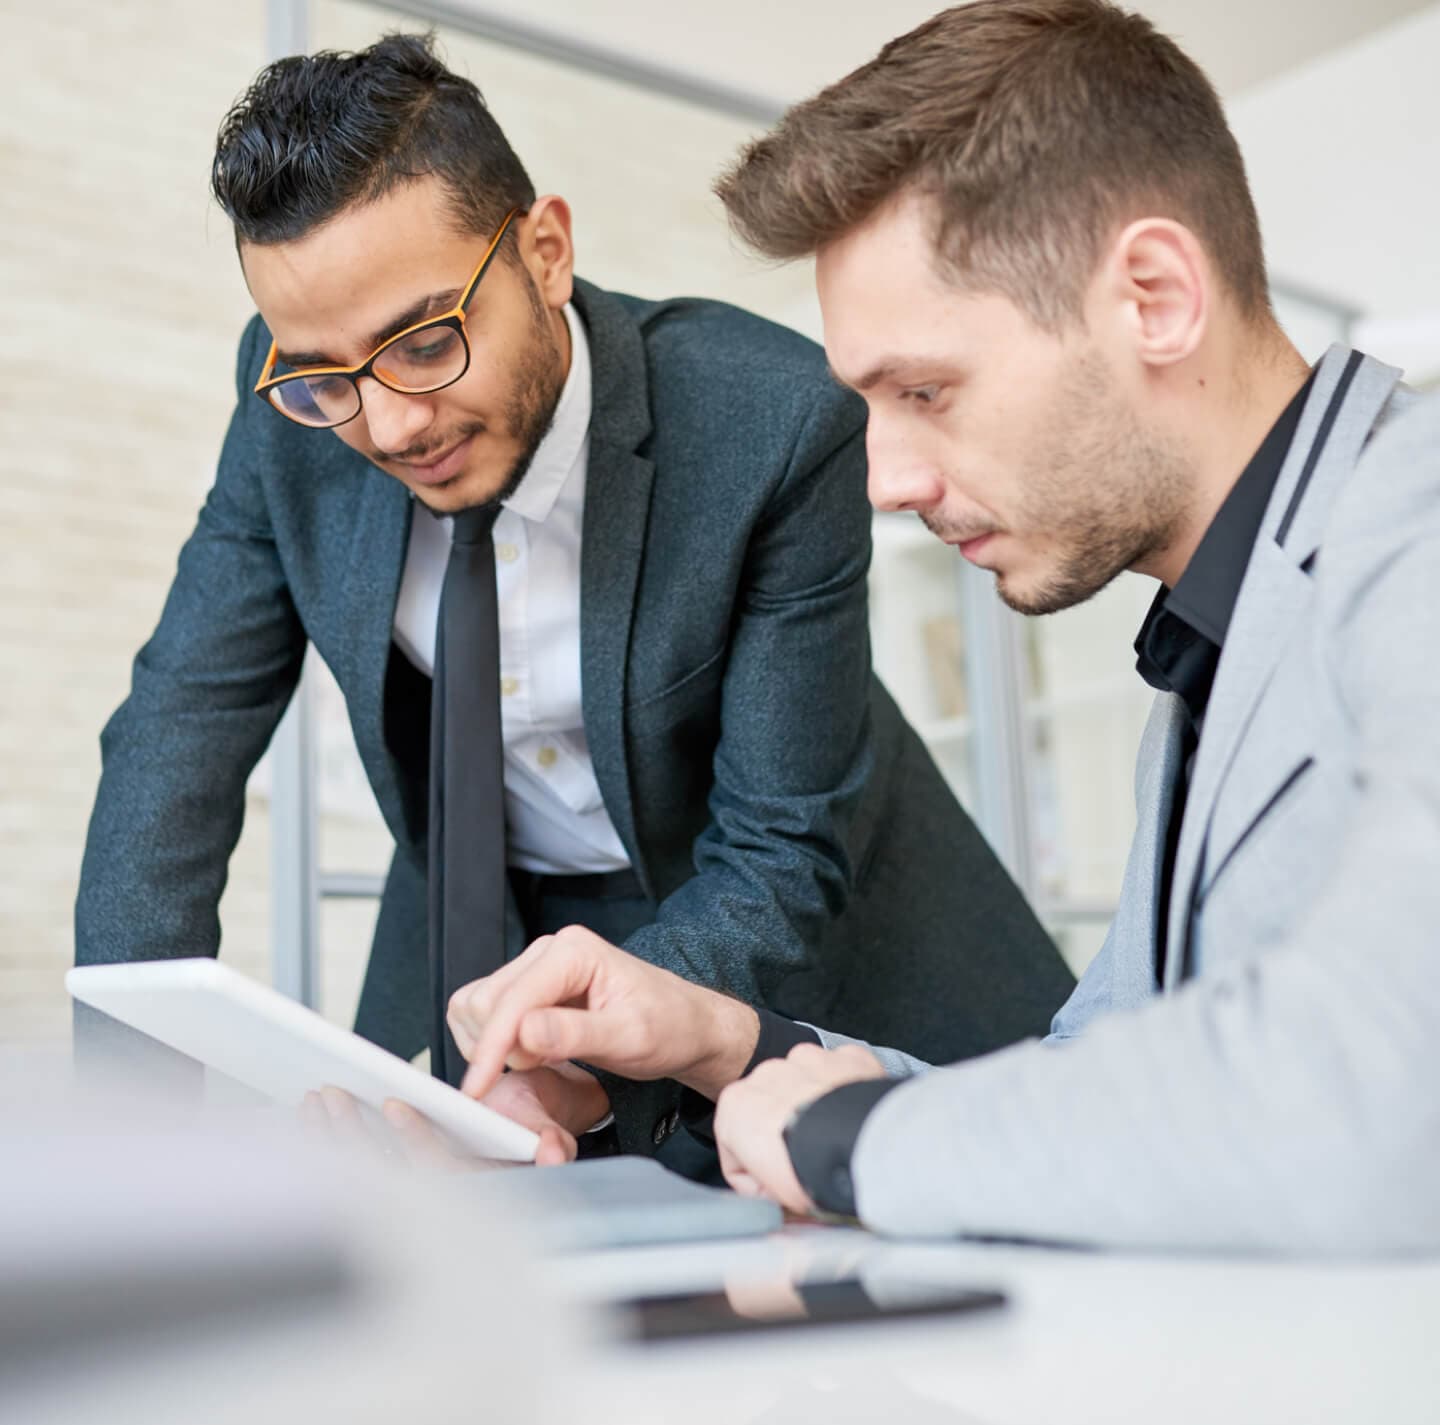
[1041, 267]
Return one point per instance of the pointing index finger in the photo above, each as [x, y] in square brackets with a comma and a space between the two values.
[556, 978]
[471, 1006]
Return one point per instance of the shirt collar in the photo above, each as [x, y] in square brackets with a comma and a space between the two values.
[1204, 595]
[563, 448]
[1179, 643]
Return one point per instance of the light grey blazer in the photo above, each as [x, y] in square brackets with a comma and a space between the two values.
[1281, 1090]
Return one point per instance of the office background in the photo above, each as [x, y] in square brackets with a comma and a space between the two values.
[123, 301]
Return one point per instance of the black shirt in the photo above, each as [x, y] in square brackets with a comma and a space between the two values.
[1177, 651]
[1178, 647]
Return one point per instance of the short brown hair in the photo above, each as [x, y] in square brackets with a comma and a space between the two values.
[1037, 126]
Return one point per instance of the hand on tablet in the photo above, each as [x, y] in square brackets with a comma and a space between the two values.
[523, 1100]
[575, 996]
[334, 1116]
[557, 1103]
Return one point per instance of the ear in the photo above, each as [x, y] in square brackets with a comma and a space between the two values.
[1160, 277]
[548, 250]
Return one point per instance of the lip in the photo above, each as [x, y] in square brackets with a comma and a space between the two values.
[971, 549]
[437, 472]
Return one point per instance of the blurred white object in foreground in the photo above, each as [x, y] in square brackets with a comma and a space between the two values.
[215, 1267]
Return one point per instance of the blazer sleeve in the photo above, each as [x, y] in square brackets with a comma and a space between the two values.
[794, 753]
[896, 1062]
[207, 691]
[1287, 1102]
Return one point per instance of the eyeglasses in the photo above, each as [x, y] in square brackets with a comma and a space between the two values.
[425, 357]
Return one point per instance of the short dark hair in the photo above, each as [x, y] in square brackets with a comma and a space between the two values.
[1035, 127]
[316, 133]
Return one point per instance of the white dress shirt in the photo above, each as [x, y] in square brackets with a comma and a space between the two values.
[555, 820]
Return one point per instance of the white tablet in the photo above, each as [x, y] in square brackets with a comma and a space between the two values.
[207, 1011]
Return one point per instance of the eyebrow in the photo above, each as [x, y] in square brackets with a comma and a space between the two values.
[434, 304]
[888, 368]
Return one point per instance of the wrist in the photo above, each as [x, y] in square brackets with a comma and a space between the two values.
[596, 1108]
[585, 1103]
[727, 1031]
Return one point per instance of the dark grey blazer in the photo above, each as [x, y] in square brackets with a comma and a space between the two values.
[800, 845]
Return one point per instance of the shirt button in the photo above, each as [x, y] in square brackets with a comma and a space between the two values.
[509, 687]
[661, 1131]
[546, 757]
[506, 553]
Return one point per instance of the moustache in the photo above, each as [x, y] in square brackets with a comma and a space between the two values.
[426, 455]
[954, 531]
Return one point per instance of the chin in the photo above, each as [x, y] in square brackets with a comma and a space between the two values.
[464, 491]
[1051, 592]
[1033, 595]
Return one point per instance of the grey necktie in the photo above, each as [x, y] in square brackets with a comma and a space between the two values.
[467, 783]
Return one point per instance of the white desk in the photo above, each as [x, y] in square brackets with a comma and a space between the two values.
[450, 1321]
[1087, 1337]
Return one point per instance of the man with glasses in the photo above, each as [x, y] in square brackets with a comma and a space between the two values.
[590, 572]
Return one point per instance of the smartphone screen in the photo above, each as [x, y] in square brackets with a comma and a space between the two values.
[663, 1318]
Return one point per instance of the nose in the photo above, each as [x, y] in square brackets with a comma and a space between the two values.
[901, 475]
[394, 421]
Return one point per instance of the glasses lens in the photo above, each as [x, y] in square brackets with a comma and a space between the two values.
[422, 360]
[317, 400]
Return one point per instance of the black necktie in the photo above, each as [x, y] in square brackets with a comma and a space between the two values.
[467, 782]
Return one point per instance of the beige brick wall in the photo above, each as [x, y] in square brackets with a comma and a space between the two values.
[122, 303]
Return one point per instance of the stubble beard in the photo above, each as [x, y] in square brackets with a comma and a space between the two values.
[534, 395]
[1113, 494]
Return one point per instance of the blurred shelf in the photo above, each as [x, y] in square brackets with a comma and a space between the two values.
[941, 730]
[1079, 695]
[1062, 908]
[351, 885]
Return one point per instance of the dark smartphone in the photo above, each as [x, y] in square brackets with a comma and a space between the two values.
[665, 1318]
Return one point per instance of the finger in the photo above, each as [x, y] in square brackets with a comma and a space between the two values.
[555, 1036]
[556, 1146]
[515, 1098]
[775, 1186]
[460, 1029]
[349, 1124]
[421, 1142]
[472, 1005]
[400, 1116]
[754, 1162]
[860, 1060]
[561, 975]
[340, 1107]
[313, 1117]
[807, 1055]
[736, 1174]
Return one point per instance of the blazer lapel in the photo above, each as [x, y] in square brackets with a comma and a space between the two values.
[375, 562]
[1344, 403]
[617, 508]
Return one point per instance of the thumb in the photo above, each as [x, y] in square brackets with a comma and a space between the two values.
[556, 1146]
